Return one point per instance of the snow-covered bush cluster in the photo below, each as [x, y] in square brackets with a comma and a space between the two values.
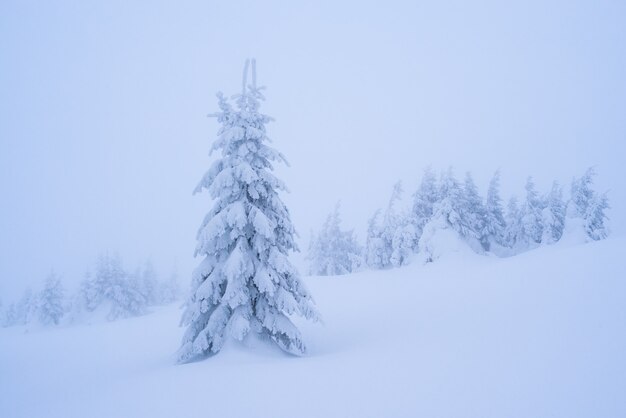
[110, 289]
[446, 213]
[485, 226]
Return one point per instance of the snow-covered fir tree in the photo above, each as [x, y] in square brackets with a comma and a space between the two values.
[51, 306]
[582, 192]
[531, 217]
[595, 217]
[404, 242]
[474, 211]
[376, 249]
[401, 228]
[554, 215]
[424, 200]
[495, 224]
[113, 286]
[392, 239]
[245, 282]
[452, 207]
[334, 251]
[513, 229]
[587, 204]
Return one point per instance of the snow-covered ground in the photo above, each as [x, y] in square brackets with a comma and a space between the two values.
[542, 334]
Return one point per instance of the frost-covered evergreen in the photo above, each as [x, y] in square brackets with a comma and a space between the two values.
[245, 282]
[424, 200]
[589, 205]
[554, 215]
[113, 286]
[595, 217]
[513, 228]
[333, 251]
[51, 306]
[392, 239]
[495, 224]
[376, 249]
[582, 192]
[531, 217]
[474, 211]
[401, 227]
[452, 207]
[404, 242]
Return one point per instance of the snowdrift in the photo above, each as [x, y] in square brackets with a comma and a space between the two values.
[542, 334]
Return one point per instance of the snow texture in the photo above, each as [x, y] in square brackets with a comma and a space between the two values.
[542, 334]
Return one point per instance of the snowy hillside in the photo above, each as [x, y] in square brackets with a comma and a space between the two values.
[542, 334]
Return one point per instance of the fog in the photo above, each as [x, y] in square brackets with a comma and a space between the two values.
[104, 130]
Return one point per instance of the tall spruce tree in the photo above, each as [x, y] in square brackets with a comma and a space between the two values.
[474, 210]
[532, 222]
[582, 192]
[595, 227]
[494, 215]
[376, 249]
[554, 215]
[451, 207]
[394, 239]
[51, 301]
[587, 204]
[245, 282]
[334, 251]
[424, 200]
[513, 228]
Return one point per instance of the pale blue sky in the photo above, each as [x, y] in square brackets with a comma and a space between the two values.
[103, 133]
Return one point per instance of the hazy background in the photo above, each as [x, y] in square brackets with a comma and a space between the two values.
[103, 128]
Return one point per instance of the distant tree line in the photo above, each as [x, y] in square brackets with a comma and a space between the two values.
[395, 235]
[111, 289]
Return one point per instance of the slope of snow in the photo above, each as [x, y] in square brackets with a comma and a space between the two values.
[542, 334]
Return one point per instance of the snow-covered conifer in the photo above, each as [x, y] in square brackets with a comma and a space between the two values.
[554, 215]
[333, 251]
[495, 224]
[404, 242]
[582, 192]
[451, 206]
[531, 217]
[149, 283]
[376, 249]
[473, 210]
[424, 200]
[245, 282]
[595, 217]
[392, 239]
[400, 229]
[513, 228]
[113, 286]
[51, 301]
[587, 204]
